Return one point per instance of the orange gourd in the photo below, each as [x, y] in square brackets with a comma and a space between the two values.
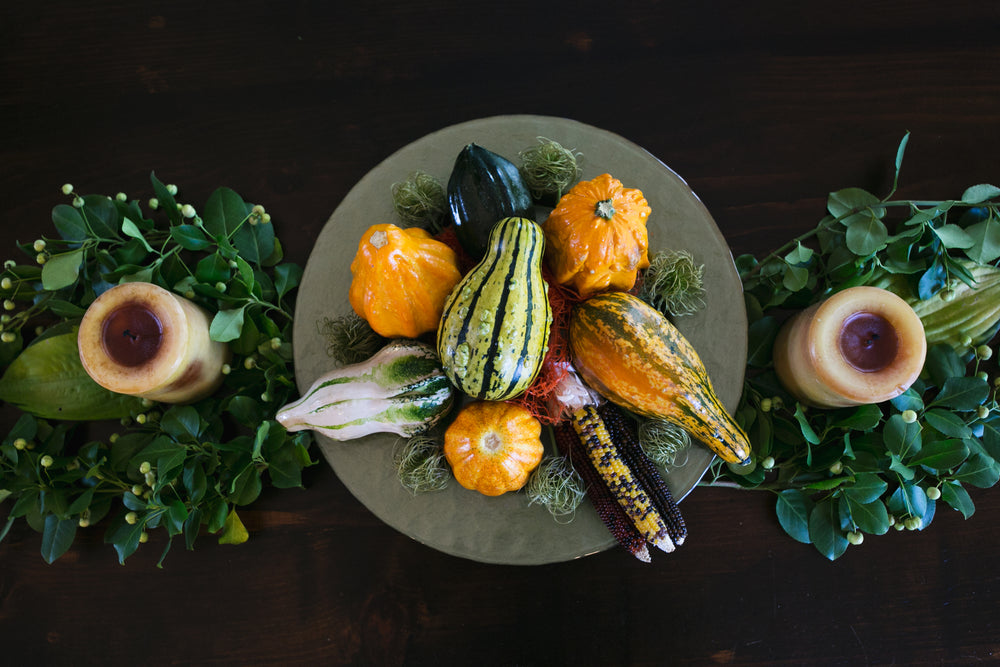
[401, 279]
[596, 238]
[492, 446]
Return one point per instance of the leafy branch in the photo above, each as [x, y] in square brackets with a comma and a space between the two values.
[181, 468]
[841, 474]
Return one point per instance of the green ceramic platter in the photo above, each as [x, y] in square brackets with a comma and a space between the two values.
[507, 529]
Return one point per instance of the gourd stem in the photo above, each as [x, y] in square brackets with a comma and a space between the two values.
[605, 209]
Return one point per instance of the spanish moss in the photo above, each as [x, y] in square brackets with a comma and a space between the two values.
[548, 169]
[421, 465]
[555, 484]
[420, 200]
[663, 442]
[349, 338]
[674, 283]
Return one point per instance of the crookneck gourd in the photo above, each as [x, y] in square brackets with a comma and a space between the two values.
[400, 280]
[492, 446]
[401, 390]
[631, 354]
[495, 328]
[596, 237]
[963, 316]
[483, 189]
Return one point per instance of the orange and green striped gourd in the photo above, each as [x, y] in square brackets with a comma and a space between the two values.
[631, 354]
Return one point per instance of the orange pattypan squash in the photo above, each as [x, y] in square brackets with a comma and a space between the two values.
[595, 238]
[401, 278]
[492, 446]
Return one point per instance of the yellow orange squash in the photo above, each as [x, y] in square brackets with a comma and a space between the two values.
[632, 355]
[401, 279]
[492, 446]
[596, 238]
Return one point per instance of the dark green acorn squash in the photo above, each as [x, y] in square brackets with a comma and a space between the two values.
[483, 189]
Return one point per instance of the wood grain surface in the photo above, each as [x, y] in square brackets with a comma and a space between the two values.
[763, 108]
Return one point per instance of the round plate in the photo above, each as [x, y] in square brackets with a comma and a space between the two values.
[506, 529]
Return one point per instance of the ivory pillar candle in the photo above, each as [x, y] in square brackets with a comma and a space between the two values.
[862, 345]
[140, 339]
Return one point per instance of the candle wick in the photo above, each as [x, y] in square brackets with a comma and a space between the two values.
[129, 334]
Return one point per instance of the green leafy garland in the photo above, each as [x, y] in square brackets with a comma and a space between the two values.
[182, 468]
[841, 474]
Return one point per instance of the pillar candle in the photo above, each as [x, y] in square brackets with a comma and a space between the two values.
[861, 345]
[140, 339]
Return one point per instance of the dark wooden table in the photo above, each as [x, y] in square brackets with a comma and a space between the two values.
[762, 107]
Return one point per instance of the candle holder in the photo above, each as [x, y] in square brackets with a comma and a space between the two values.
[142, 340]
[862, 345]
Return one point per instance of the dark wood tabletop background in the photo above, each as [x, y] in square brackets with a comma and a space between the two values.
[763, 108]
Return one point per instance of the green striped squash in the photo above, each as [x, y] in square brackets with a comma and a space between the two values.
[632, 355]
[967, 312]
[494, 331]
[401, 390]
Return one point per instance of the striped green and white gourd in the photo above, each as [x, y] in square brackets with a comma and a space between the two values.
[494, 331]
[402, 389]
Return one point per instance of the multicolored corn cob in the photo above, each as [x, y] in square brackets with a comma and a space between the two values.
[611, 513]
[624, 486]
[625, 435]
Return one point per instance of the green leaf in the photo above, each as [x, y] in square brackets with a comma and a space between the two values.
[761, 335]
[958, 498]
[909, 500]
[800, 254]
[947, 423]
[101, 216]
[129, 228]
[953, 236]
[227, 324]
[57, 537]
[872, 518]
[255, 243]
[182, 422]
[795, 278]
[190, 237]
[212, 269]
[900, 438]
[962, 393]
[985, 236]
[807, 430]
[942, 363]
[862, 418]
[124, 537]
[48, 380]
[849, 201]
[195, 481]
[286, 278]
[69, 223]
[979, 471]
[941, 454]
[824, 529]
[234, 532]
[167, 202]
[62, 270]
[246, 487]
[866, 235]
[977, 194]
[867, 488]
[896, 465]
[793, 510]
[899, 159]
[225, 211]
